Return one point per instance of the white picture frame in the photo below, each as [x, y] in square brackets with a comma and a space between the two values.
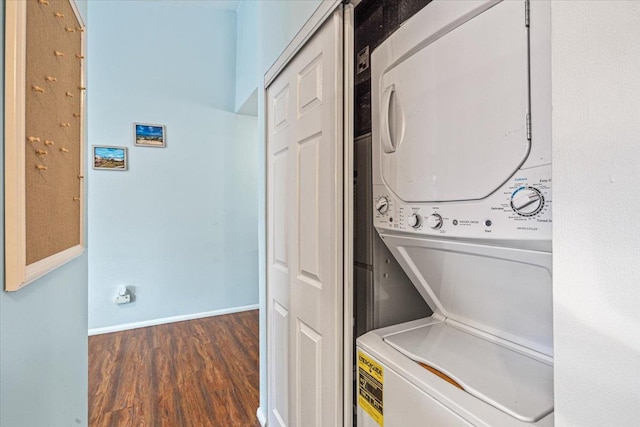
[149, 135]
[109, 157]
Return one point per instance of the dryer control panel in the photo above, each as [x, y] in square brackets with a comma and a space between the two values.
[520, 209]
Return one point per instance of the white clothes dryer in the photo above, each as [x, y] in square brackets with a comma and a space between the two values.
[462, 191]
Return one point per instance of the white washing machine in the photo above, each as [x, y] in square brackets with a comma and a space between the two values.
[462, 190]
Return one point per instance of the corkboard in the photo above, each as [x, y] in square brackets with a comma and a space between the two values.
[53, 112]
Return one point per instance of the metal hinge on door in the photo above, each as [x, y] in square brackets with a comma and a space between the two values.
[526, 13]
[529, 126]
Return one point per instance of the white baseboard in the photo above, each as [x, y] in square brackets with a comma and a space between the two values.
[262, 418]
[162, 321]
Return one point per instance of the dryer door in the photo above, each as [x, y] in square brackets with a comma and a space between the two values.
[453, 110]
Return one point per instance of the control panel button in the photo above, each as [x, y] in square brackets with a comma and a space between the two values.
[415, 220]
[434, 221]
[382, 205]
[527, 201]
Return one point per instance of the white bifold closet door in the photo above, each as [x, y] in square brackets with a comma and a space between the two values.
[305, 234]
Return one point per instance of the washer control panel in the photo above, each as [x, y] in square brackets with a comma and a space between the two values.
[520, 209]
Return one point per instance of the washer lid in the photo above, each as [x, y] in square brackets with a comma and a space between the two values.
[452, 116]
[503, 292]
[512, 382]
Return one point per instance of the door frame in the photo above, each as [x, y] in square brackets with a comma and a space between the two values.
[348, 191]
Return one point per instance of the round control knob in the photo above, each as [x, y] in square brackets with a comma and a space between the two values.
[382, 205]
[434, 221]
[527, 201]
[415, 220]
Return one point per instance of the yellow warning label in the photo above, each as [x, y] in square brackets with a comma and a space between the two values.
[370, 383]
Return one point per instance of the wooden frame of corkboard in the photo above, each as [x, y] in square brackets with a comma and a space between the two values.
[44, 138]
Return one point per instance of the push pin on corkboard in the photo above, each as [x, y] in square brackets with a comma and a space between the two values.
[41, 167]
[76, 115]
[44, 2]
[65, 124]
[80, 176]
[47, 142]
[76, 199]
[63, 150]
[69, 94]
[37, 89]
[51, 79]
[58, 53]
[34, 139]
[41, 152]
[79, 56]
[82, 88]
[80, 29]
[69, 30]
[58, 15]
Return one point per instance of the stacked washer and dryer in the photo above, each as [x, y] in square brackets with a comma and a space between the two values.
[462, 193]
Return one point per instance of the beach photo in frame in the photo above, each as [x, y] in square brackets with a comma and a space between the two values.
[148, 135]
[110, 158]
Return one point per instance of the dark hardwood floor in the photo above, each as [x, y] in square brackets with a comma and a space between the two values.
[198, 373]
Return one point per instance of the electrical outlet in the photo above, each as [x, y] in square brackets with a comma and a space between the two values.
[122, 299]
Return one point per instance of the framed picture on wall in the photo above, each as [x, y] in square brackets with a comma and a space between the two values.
[147, 135]
[110, 158]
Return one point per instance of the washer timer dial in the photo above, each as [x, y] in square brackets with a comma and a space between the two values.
[382, 205]
[434, 221]
[527, 201]
[415, 220]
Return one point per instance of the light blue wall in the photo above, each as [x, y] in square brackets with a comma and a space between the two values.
[180, 226]
[278, 23]
[247, 71]
[265, 28]
[43, 340]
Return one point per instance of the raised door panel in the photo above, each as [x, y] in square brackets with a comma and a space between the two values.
[309, 215]
[279, 219]
[309, 376]
[279, 356]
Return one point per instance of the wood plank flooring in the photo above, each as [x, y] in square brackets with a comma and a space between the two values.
[198, 373]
